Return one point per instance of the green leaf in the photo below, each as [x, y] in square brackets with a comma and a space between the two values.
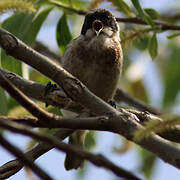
[3, 104]
[152, 13]
[153, 46]
[139, 91]
[12, 103]
[171, 77]
[142, 43]
[173, 35]
[73, 3]
[147, 162]
[26, 28]
[63, 35]
[36, 23]
[90, 140]
[122, 6]
[17, 24]
[142, 13]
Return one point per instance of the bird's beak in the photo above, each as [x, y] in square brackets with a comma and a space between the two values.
[97, 26]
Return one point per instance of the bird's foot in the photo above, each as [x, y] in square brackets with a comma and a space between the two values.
[112, 103]
[49, 88]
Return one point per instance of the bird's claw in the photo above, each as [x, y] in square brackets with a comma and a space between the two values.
[112, 103]
[49, 88]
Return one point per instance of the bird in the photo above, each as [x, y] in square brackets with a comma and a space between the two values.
[95, 57]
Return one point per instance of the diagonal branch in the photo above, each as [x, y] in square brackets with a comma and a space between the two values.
[36, 91]
[59, 99]
[23, 159]
[98, 160]
[12, 167]
[97, 123]
[41, 48]
[34, 109]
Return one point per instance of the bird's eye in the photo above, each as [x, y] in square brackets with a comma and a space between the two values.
[108, 17]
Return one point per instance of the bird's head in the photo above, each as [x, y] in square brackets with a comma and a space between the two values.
[100, 21]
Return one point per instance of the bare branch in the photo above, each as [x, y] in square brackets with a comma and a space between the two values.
[14, 166]
[36, 91]
[97, 123]
[24, 100]
[41, 48]
[98, 160]
[23, 159]
[100, 123]
[136, 20]
[25, 120]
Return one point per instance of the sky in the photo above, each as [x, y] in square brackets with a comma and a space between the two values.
[52, 162]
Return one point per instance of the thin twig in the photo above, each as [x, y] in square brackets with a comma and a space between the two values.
[12, 167]
[98, 160]
[133, 20]
[23, 159]
[32, 107]
[136, 20]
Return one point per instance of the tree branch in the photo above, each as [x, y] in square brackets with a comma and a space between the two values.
[36, 91]
[41, 48]
[59, 99]
[23, 159]
[14, 166]
[97, 123]
[34, 109]
[98, 160]
[136, 20]
[133, 20]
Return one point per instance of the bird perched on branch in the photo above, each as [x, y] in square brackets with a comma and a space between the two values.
[95, 58]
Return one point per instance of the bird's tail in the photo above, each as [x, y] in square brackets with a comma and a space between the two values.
[72, 161]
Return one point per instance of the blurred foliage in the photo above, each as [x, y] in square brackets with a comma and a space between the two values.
[152, 46]
[125, 147]
[26, 20]
[90, 142]
[123, 7]
[16, 5]
[172, 76]
[170, 121]
[147, 162]
[63, 35]
[3, 106]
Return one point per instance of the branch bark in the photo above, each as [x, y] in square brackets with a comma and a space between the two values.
[98, 123]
